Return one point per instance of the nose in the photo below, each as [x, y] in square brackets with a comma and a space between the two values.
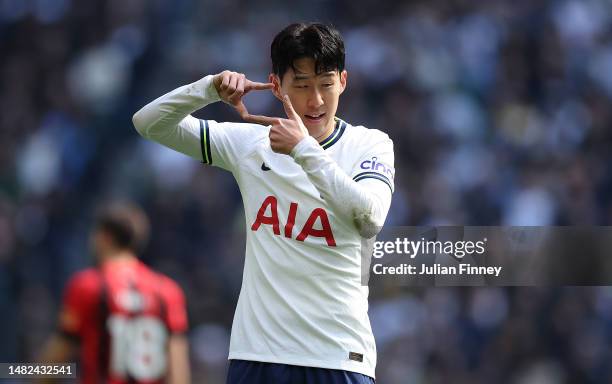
[315, 100]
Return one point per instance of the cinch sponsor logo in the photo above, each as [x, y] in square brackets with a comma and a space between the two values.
[377, 166]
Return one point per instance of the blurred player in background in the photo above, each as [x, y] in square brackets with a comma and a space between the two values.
[312, 186]
[127, 320]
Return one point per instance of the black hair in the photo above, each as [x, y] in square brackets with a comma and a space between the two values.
[126, 224]
[321, 42]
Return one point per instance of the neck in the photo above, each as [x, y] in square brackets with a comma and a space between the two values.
[326, 132]
[118, 255]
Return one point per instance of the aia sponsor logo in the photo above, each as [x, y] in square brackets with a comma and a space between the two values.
[268, 215]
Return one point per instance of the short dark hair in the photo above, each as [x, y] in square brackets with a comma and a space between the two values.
[321, 42]
[126, 224]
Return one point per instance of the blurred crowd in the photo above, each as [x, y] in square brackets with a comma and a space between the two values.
[499, 113]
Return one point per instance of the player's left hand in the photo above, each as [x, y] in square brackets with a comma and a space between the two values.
[284, 133]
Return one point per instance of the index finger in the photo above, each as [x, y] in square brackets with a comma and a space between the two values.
[254, 85]
[257, 119]
[260, 119]
[291, 113]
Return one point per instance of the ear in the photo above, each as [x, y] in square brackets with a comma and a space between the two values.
[343, 77]
[274, 79]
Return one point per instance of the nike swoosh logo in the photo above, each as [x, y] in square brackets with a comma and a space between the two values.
[264, 167]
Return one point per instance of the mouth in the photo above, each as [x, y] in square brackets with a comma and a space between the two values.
[315, 118]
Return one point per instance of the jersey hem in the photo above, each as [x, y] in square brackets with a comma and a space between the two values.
[302, 362]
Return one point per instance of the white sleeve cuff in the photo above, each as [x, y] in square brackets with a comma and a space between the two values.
[303, 147]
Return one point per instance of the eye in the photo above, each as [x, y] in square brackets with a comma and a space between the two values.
[328, 85]
[301, 86]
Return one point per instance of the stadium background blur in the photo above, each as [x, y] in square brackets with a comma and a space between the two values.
[500, 114]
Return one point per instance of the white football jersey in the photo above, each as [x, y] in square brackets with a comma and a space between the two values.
[302, 301]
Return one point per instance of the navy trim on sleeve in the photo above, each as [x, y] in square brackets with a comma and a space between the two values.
[374, 175]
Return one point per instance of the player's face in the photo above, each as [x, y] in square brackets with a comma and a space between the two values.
[314, 97]
[99, 243]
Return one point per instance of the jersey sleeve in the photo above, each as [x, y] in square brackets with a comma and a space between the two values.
[363, 197]
[225, 144]
[167, 120]
[377, 162]
[80, 296]
[174, 297]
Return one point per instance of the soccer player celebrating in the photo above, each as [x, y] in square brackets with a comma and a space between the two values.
[312, 186]
[128, 320]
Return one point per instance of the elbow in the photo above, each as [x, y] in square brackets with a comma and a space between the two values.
[139, 124]
[369, 231]
[370, 221]
[367, 226]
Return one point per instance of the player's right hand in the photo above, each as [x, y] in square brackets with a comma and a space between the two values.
[232, 86]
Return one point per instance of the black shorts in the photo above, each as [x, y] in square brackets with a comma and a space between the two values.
[256, 372]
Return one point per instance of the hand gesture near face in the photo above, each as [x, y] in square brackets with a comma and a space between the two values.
[232, 86]
[284, 133]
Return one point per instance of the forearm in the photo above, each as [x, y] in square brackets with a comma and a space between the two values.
[178, 367]
[58, 349]
[167, 119]
[170, 109]
[351, 199]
